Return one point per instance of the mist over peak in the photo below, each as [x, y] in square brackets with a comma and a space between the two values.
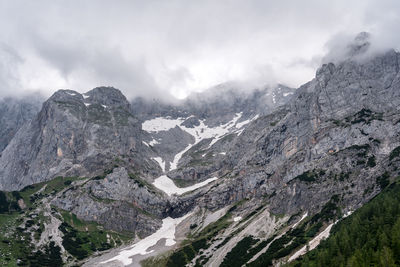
[167, 51]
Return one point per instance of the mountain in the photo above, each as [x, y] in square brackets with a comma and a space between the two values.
[224, 178]
[14, 112]
[204, 117]
[70, 136]
[323, 154]
[224, 99]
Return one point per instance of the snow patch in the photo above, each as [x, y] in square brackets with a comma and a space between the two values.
[240, 131]
[86, 104]
[161, 162]
[224, 129]
[145, 143]
[104, 106]
[202, 132]
[348, 213]
[302, 218]
[243, 123]
[85, 96]
[165, 184]
[238, 218]
[199, 132]
[174, 163]
[167, 232]
[286, 94]
[73, 94]
[153, 142]
[161, 124]
[222, 153]
[108, 238]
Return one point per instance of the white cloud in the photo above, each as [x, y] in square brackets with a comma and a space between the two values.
[154, 48]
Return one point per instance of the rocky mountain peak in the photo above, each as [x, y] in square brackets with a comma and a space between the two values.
[73, 134]
[65, 96]
[108, 96]
[360, 44]
[344, 87]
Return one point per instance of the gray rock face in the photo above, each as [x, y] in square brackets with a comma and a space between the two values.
[227, 99]
[14, 113]
[169, 143]
[345, 117]
[213, 108]
[74, 135]
[216, 103]
[119, 201]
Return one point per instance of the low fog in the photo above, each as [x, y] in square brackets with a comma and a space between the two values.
[166, 49]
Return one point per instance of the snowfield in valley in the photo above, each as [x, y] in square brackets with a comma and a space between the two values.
[199, 132]
[168, 186]
[167, 232]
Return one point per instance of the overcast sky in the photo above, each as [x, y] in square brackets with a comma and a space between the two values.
[155, 48]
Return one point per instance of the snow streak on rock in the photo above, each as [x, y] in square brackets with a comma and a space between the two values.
[243, 123]
[161, 162]
[153, 142]
[301, 219]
